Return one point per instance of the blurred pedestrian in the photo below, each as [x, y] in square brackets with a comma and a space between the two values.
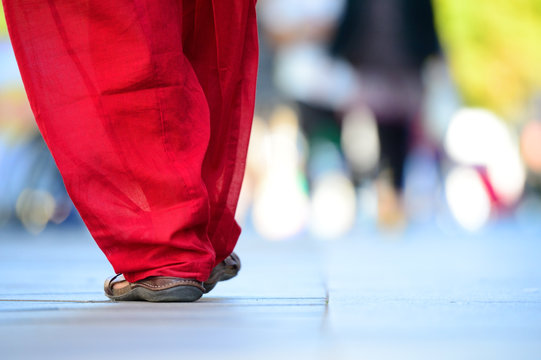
[146, 107]
[388, 42]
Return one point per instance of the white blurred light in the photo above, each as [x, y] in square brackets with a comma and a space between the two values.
[360, 140]
[333, 206]
[478, 137]
[282, 150]
[467, 198]
[257, 158]
[474, 135]
[280, 206]
[507, 176]
[35, 208]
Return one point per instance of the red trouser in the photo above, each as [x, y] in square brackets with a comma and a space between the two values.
[146, 106]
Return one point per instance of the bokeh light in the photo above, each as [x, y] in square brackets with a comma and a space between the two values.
[478, 96]
[467, 198]
[280, 207]
[35, 208]
[360, 140]
[333, 208]
[477, 137]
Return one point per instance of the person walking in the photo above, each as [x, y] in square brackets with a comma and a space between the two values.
[146, 107]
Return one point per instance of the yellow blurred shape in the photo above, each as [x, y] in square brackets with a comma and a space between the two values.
[3, 26]
[16, 118]
[493, 48]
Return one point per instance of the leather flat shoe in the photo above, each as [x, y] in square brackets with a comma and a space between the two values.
[227, 269]
[155, 289]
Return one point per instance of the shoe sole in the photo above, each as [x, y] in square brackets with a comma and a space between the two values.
[176, 294]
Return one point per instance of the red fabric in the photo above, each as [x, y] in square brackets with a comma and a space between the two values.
[146, 107]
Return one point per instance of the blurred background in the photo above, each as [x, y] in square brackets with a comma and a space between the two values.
[372, 116]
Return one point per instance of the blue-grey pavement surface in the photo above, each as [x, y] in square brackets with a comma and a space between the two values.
[426, 294]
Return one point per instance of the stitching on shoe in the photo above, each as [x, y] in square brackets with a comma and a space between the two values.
[171, 284]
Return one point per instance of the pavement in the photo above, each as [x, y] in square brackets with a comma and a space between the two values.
[423, 294]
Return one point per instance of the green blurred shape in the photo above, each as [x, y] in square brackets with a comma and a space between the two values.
[3, 26]
[494, 50]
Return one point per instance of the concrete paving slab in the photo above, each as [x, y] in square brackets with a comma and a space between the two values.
[424, 295]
